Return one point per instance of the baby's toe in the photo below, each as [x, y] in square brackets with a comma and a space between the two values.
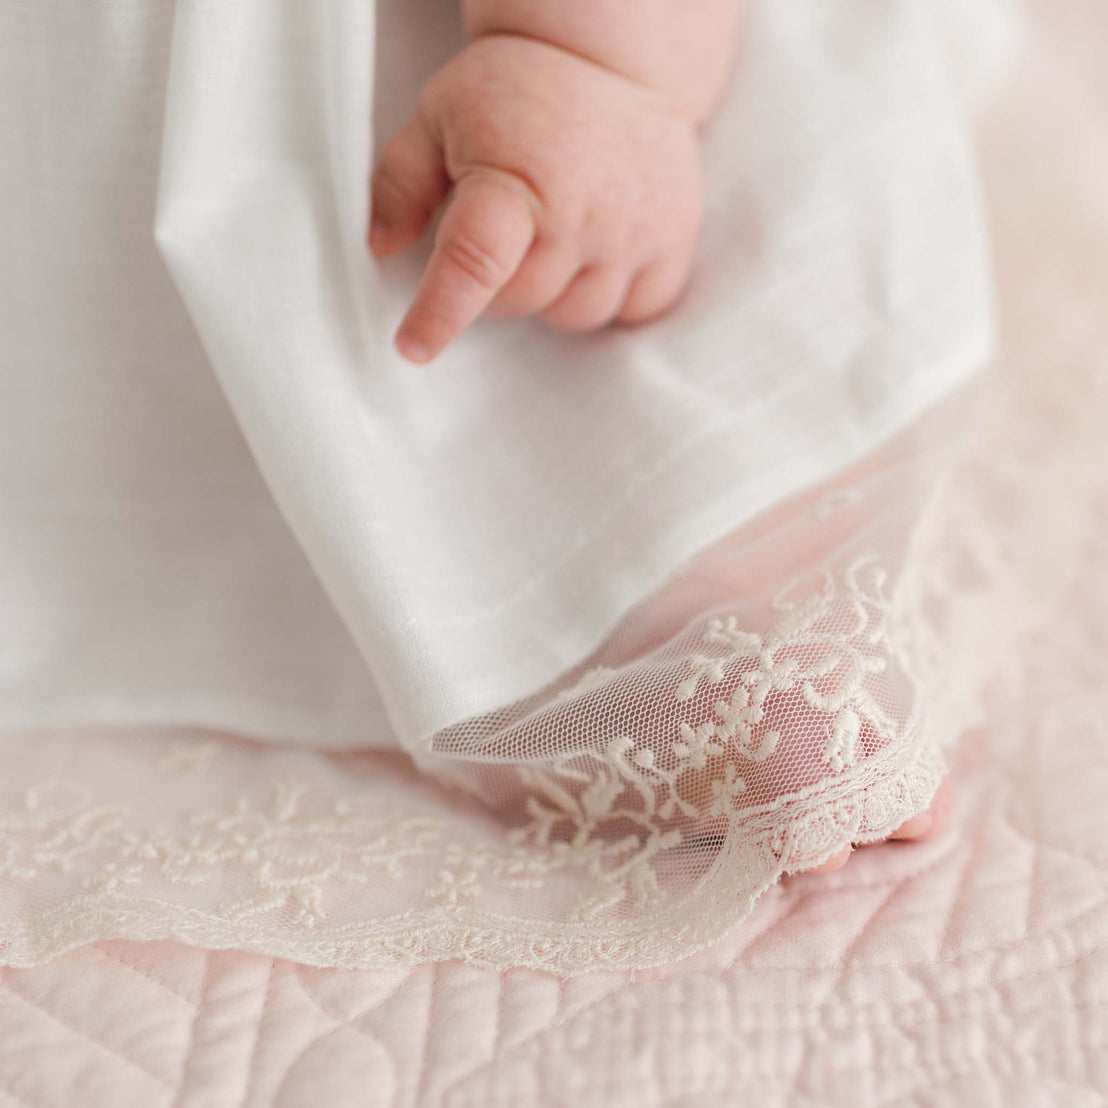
[833, 863]
[926, 824]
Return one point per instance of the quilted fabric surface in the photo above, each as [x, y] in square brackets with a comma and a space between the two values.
[971, 970]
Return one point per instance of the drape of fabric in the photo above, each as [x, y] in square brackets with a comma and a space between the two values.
[652, 630]
[479, 526]
[624, 852]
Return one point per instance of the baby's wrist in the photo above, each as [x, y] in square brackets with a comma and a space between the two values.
[680, 52]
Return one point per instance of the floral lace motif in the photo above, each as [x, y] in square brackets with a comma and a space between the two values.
[290, 854]
[811, 653]
[599, 823]
[757, 741]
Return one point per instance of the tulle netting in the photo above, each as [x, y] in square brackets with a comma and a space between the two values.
[790, 693]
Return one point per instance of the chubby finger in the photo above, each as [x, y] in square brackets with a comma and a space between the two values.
[655, 289]
[591, 300]
[482, 237]
[540, 279]
[409, 184]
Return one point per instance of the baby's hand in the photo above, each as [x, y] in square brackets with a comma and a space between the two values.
[576, 193]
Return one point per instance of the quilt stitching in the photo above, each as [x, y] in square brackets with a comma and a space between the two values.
[207, 969]
[134, 969]
[54, 1018]
[248, 1078]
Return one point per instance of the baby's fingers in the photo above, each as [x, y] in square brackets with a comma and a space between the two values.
[483, 236]
[410, 182]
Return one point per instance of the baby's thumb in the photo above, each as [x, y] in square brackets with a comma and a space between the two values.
[409, 183]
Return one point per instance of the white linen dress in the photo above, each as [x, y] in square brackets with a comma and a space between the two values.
[663, 599]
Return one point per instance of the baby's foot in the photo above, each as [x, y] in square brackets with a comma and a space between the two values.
[919, 828]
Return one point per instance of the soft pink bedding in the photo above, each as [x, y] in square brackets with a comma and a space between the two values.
[972, 970]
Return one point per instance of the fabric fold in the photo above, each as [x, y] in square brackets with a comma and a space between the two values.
[659, 616]
[481, 525]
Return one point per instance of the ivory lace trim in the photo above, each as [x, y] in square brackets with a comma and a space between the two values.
[818, 722]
